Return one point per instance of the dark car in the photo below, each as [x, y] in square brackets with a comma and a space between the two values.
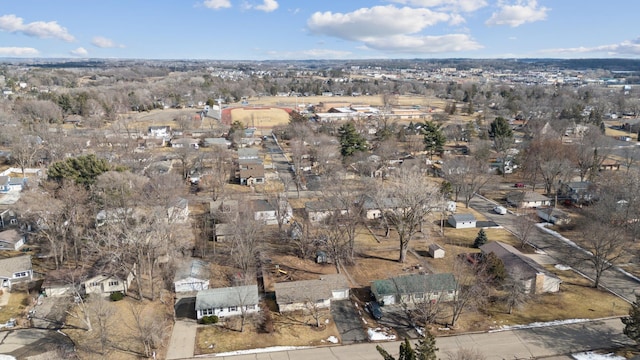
[375, 310]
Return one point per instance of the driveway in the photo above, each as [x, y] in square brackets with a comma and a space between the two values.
[348, 322]
[395, 317]
[183, 338]
[185, 308]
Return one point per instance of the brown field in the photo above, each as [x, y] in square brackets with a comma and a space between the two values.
[260, 117]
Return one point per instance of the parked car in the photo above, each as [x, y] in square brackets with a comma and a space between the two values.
[500, 210]
[518, 185]
[374, 309]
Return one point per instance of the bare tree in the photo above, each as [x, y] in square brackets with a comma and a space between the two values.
[467, 176]
[245, 242]
[546, 156]
[471, 288]
[523, 227]
[335, 240]
[409, 198]
[103, 313]
[515, 293]
[148, 329]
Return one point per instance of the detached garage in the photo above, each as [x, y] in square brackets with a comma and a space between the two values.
[462, 221]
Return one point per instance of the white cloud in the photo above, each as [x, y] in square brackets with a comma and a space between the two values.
[378, 28]
[217, 4]
[627, 47]
[366, 24]
[267, 6]
[18, 51]
[446, 5]
[40, 29]
[514, 15]
[103, 42]
[425, 44]
[79, 52]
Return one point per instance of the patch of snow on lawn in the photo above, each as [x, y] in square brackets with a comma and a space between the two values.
[541, 252]
[262, 350]
[6, 357]
[333, 339]
[379, 334]
[562, 267]
[589, 355]
[540, 324]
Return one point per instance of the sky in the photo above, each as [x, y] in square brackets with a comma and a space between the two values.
[319, 29]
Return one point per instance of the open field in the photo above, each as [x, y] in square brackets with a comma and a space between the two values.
[260, 117]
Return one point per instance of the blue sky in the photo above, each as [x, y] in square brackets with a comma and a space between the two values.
[319, 29]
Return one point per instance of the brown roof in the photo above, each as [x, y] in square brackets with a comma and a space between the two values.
[294, 292]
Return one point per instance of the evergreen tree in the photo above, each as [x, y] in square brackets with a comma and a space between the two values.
[481, 239]
[434, 138]
[501, 132]
[82, 169]
[425, 349]
[632, 322]
[350, 140]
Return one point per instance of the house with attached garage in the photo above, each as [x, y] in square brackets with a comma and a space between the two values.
[535, 278]
[415, 288]
[462, 221]
[107, 282]
[15, 270]
[192, 276]
[228, 301]
[11, 239]
[311, 294]
[527, 199]
[265, 212]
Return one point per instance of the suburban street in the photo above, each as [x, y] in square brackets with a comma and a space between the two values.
[613, 280]
[551, 341]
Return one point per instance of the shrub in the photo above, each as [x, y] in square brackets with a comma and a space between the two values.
[116, 296]
[211, 319]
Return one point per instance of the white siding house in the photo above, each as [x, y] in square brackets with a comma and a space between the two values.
[14, 270]
[192, 276]
[462, 221]
[229, 301]
[11, 240]
[311, 294]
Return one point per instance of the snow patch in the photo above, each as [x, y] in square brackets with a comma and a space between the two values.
[378, 334]
[333, 339]
[262, 350]
[541, 252]
[539, 324]
[562, 267]
[589, 355]
[6, 357]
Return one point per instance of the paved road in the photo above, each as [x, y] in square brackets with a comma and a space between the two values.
[612, 280]
[513, 344]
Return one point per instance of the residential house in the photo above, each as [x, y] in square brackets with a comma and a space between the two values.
[159, 131]
[311, 294]
[248, 154]
[229, 301]
[265, 212]
[11, 239]
[106, 283]
[192, 276]
[63, 282]
[219, 142]
[436, 251]
[553, 215]
[527, 199]
[318, 211]
[185, 143]
[374, 209]
[223, 211]
[609, 165]
[415, 288]
[251, 172]
[14, 270]
[534, 277]
[462, 221]
[578, 192]
[8, 218]
[223, 231]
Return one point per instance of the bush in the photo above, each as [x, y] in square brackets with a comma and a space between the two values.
[116, 296]
[211, 319]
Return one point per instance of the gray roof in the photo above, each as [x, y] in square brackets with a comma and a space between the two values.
[525, 196]
[413, 284]
[514, 260]
[197, 269]
[295, 292]
[247, 153]
[11, 236]
[4, 180]
[225, 297]
[11, 265]
[463, 217]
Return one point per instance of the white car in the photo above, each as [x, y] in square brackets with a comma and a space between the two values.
[500, 210]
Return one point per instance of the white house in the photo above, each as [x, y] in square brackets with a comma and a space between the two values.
[192, 276]
[105, 284]
[527, 199]
[415, 288]
[318, 211]
[553, 215]
[462, 221]
[159, 131]
[229, 301]
[14, 270]
[265, 212]
[311, 294]
[11, 240]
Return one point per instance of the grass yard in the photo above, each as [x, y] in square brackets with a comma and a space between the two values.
[260, 117]
[290, 330]
[16, 307]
